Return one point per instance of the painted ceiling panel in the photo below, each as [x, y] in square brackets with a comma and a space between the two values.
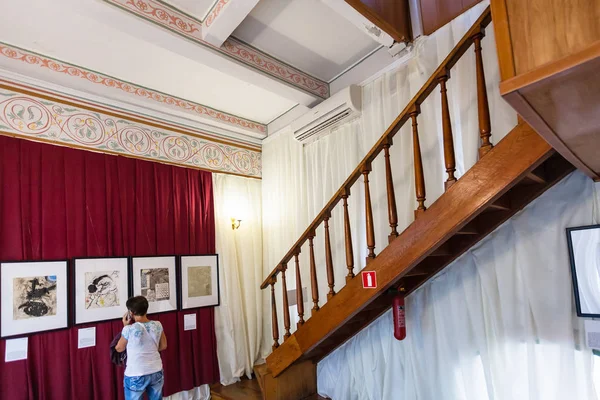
[306, 34]
[103, 38]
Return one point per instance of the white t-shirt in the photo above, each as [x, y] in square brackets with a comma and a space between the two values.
[142, 348]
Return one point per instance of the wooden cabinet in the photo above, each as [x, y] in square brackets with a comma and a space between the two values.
[393, 16]
[549, 55]
[437, 13]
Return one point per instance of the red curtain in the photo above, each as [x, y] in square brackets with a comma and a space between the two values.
[60, 203]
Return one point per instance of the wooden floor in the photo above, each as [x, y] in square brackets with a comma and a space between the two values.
[243, 390]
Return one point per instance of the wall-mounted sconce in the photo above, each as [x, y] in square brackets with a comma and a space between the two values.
[235, 223]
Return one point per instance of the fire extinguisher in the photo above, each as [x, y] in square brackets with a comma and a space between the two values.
[399, 316]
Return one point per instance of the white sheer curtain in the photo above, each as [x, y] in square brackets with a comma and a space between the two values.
[238, 319]
[298, 181]
[284, 217]
[331, 159]
[498, 323]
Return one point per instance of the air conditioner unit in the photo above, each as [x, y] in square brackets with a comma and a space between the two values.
[339, 108]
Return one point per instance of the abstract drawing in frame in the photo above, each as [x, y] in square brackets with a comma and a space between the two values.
[155, 279]
[584, 253]
[199, 281]
[101, 288]
[35, 297]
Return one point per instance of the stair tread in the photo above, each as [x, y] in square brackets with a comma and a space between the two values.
[534, 178]
[468, 229]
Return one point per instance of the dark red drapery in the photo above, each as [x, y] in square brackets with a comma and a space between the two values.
[59, 203]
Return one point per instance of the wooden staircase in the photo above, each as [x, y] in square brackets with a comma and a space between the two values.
[506, 178]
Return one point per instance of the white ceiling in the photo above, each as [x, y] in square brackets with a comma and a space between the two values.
[196, 8]
[98, 36]
[306, 34]
[103, 38]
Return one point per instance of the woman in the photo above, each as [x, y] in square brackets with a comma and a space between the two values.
[142, 339]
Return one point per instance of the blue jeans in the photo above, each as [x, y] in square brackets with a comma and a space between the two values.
[152, 384]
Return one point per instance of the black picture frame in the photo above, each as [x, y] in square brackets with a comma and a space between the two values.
[132, 277]
[73, 289]
[67, 325]
[574, 269]
[180, 274]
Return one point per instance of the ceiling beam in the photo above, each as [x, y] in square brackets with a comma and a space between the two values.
[224, 18]
[232, 51]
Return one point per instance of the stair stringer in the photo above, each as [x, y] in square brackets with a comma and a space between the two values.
[509, 162]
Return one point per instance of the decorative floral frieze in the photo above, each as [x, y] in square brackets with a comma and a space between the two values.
[37, 118]
[25, 56]
[190, 28]
[165, 16]
[214, 13]
[262, 61]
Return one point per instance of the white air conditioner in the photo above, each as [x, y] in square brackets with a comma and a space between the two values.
[341, 107]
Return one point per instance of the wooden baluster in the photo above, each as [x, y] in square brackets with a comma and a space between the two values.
[348, 236]
[447, 129]
[286, 304]
[328, 258]
[369, 215]
[391, 195]
[274, 323]
[419, 178]
[299, 294]
[483, 109]
[313, 275]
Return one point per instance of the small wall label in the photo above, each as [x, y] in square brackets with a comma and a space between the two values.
[369, 279]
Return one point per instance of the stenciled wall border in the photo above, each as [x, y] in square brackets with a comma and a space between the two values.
[41, 119]
[191, 28]
[59, 66]
[212, 13]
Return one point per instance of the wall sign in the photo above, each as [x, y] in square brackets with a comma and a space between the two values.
[369, 279]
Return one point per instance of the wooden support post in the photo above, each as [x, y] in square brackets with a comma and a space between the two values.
[286, 304]
[329, 258]
[299, 294]
[418, 164]
[369, 215]
[348, 239]
[447, 134]
[274, 323]
[313, 274]
[483, 108]
[391, 195]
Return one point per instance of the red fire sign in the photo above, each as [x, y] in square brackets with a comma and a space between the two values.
[369, 279]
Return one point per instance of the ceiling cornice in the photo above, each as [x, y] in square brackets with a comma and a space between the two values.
[75, 71]
[214, 10]
[182, 24]
[28, 114]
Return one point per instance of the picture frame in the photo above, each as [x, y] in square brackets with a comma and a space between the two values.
[101, 288]
[199, 281]
[156, 279]
[35, 297]
[585, 268]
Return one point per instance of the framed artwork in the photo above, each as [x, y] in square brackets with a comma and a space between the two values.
[155, 278]
[584, 252]
[35, 297]
[101, 288]
[199, 281]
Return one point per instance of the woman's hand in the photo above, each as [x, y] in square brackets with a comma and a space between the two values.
[126, 319]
